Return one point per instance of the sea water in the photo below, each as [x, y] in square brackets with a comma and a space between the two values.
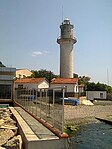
[92, 136]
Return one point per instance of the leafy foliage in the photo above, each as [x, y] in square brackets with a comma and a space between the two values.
[89, 86]
[98, 87]
[43, 73]
[84, 80]
[75, 75]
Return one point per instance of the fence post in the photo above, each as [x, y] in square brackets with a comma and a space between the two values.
[32, 99]
[53, 105]
[15, 95]
[36, 101]
[28, 100]
[63, 110]
[25, 98]
[46, 103]
[40, 101]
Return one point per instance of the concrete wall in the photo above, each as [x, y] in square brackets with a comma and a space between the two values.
[66, 59]
[48, 144]
[91, 95]
[30, 139]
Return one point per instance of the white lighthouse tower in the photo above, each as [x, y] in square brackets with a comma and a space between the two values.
[66, 41]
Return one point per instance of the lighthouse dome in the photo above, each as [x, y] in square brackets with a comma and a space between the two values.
[66, 21]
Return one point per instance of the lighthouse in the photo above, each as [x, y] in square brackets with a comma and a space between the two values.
[66, 41]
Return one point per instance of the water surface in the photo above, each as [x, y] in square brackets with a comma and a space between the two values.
[92, 136]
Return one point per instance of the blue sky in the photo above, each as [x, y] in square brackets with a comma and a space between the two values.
[29, 30]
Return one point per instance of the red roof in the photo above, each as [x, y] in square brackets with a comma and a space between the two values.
[64, 81]
[30, 80]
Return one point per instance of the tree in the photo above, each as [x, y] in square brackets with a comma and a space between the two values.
[109, 89]
[84, 80]
[98, 87]
[43, 73]
[90, 86]
[75, 75]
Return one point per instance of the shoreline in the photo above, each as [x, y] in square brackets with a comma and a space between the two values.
[80, 121]
[82, 114]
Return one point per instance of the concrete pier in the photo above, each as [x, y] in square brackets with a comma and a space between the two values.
[106, 119]
[34, 134]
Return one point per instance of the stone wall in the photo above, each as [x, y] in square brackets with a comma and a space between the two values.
[9, 138]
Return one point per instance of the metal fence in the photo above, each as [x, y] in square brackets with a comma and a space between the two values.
[47, 104]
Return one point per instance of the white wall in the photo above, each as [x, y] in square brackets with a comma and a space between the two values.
[96, 94]
[43, 84]
[66, 59]
[23, 72]
[76, 88]
[70, 87]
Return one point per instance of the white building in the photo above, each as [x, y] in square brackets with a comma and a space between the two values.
[91, 95]
[23, 73]
[31, 83]
[71, 84]
[66, 41]
[7, 76]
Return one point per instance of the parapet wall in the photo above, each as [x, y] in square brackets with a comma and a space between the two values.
[34, 141]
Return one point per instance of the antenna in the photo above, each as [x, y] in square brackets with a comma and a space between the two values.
[107, 77]
[62, 12]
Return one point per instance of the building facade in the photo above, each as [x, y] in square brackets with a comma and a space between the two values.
[7, 76]
[23, 73]
[71, 84]
[91, 95]
[31, 83]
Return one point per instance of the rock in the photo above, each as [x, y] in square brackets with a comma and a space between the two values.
[3, 140]
[1, 122]
[12, 127]
[8, 131]
[2, 147]
[14, 143]
[5, 135]
[11, 121]
[4, 113]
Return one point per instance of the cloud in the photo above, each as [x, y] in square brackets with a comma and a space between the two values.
[36, 53]
[46, 52]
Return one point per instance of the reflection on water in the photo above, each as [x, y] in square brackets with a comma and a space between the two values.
[93, 136]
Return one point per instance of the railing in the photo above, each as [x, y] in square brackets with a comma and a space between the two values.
[47, 104]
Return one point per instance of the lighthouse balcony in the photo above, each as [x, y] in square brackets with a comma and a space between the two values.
[66, 38]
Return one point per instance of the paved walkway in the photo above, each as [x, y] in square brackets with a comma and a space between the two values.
[41, 131]
[34, 134]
